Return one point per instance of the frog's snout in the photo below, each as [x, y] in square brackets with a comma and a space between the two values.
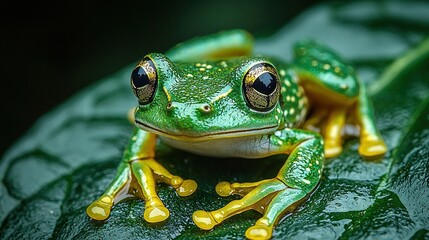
[203, 108]
[186, 117]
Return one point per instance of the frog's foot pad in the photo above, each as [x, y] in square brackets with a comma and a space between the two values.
[333, 148]
[270, 197]
[259, 232]
[155, 214]
[204, 220]
[372, 147]
[100, 208]
[183, 188]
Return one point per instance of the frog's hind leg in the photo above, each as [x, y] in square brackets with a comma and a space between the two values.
[315, 119]
[100, 208]
[330, 124]
[332, 132]
[371, 145]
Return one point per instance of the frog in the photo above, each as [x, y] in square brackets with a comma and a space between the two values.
[212, 96]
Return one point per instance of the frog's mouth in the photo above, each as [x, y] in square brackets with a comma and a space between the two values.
[208, 136]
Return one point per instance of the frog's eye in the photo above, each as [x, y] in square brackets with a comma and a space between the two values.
[261, 87]
[144, 81]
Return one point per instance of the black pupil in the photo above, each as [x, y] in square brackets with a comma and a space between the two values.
[139, 77]
[265, 83]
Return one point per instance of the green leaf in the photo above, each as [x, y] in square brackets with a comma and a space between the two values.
[70, 155]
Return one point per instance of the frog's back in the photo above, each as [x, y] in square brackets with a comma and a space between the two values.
[324, 75]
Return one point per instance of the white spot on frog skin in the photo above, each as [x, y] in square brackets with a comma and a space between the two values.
[285, 113]
[205, 77]
[310, 164]
[203, 65]
[292, 99]
[307, 169]
[202, 69]
[299, 94]
[288, 98]
[318, 171]
[337, 69]
[279, 142]
[209, 66]
[277, 117]
[326, 66]
[306, 181]
[282, 72]
[287, 83]
[317, 162]
[314, 63]
[292, 110]
[223, 63]
[189, 75]
[283, 89]
[134, 138]
[278, 133]
[343, 86]
[278, 110]
[198, 65]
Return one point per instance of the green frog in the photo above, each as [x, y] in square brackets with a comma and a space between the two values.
[211, 96]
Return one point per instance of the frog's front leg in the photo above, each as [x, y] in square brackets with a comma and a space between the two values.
[139, 166]
[273, 197]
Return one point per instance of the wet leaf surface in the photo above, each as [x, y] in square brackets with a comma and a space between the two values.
[70, 155]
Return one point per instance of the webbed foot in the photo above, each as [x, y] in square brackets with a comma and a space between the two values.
[333, 148]
[372, 147]
[100, 208]
[139, 178]
[270, 197]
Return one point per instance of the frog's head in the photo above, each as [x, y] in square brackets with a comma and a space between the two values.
[199, 101]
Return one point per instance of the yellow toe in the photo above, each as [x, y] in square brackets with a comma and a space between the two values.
[176, 181]
[258, 232]
[203, 220]
[99, 210]
[372, 149]
[224, 189]
[332, 149]
[187, 188]
[155, 214]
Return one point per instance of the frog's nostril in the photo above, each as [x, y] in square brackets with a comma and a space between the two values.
[170, 106]
[206, 108]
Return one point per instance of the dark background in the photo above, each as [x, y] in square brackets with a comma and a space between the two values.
[50, 50]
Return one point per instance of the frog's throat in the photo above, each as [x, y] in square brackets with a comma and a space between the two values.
[208, 136]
